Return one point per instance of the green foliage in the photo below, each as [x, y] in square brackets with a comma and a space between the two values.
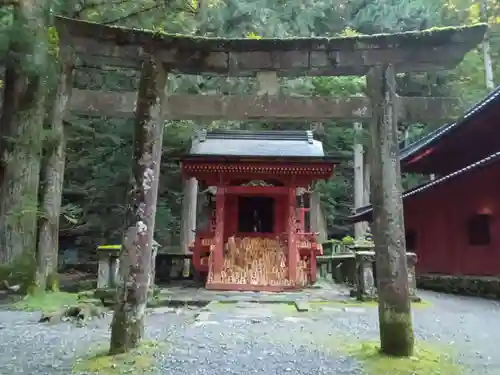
[348, 240]
[372, 17]
[20, 272]
[53, 39]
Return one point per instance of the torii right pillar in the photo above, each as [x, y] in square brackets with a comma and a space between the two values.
[388, 220]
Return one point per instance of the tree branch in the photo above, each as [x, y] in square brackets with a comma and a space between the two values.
[95, 5]
[133, 14]
[168, 4]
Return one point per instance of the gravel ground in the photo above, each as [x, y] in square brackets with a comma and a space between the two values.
[257, 340]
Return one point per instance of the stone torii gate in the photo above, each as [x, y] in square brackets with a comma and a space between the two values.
[155, 54]
[266, 104]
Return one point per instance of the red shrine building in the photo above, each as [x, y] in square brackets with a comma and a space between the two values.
[253, 232]
[453, 221]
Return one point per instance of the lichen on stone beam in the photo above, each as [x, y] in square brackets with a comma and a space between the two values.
[128, 36]
[293, 57]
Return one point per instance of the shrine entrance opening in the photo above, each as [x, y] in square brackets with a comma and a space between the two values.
[256, 214]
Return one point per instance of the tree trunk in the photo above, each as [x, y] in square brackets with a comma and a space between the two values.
[188, 220]
[188, 215]
[127, 327]
[488, 65]
[316, 215]
[359, 228]
[53, 172]
[395, 320]
[366, 177]
[21, 124]
[366, 185]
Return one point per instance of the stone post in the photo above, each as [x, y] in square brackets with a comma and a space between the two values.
[154, 253]
[114, 266]
[152, 273]
[108, 266]
[103, 270]
[366, 289]
[411, 259]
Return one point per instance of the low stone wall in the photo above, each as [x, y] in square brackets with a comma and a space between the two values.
[479, 286]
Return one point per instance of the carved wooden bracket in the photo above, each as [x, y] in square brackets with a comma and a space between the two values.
[258, 183]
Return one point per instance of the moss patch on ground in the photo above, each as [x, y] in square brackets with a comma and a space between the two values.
[427, 360]
[137, 361]
[356, 303]
[289, 308]
[46, 302]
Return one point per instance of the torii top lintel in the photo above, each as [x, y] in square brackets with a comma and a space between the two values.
[434, 49]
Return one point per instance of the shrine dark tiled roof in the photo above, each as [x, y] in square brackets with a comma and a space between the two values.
[467, 119]
[362, 212]
[270, 143]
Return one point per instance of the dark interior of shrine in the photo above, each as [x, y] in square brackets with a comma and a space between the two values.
[256, 214]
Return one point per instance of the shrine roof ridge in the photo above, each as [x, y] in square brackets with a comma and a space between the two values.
[262, 143]
[125, 35]
[492, 99]
[361, 213]
[288, 135]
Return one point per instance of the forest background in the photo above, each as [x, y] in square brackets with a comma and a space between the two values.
[98, 151]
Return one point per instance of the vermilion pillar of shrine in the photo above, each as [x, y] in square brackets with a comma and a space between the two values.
[292, 238]
[220, 202]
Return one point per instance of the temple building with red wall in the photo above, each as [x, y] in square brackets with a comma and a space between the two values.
[453, 221]
[254, 234]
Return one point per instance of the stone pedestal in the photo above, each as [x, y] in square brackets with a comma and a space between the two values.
[186, 270]
[323, 262]
[108, 272]
[324, 270]
[366, 289]
[343, 268]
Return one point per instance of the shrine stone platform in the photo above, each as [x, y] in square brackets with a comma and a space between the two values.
[322, 291]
